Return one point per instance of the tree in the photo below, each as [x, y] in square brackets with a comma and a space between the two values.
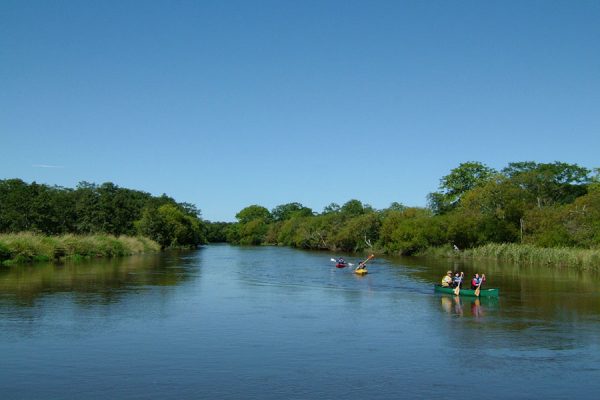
[170, 226]
[453, 186]
[395, 206]
[286, 211]
[498, 207]
[14, 206]
[331, 208]
[411, 230]
[252, 225]
[549, 184]
[352, 208]
[216, 232]
[358, 233]
[253, 212]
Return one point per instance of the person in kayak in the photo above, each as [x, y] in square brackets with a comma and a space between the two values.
[341, 261]
[447, 280]
[477, 280]
[361, 265]
[457, 280]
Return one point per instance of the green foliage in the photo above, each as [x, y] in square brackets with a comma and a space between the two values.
[524, 254]
[542, 205]
[411, 230]
[571, 225]
[104, 209]
[475, 207]
[286, 211]
[331, 208]
[28, 247]
[253, 232]
[216, 232]
[171, 226]
[252, 213]
[358, 233]
[4, 253]
[352, 208]
[529, 254]
[453, 186]
[549, 184]
[108, 208]
[395, 206]
[252, 226]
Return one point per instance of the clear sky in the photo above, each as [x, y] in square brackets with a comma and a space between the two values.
[225, 104]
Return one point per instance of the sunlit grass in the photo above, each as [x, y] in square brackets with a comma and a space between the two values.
[525, 254]
[29, 247]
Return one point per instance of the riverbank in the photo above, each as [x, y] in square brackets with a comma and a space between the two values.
[18, 248]
[585, 259]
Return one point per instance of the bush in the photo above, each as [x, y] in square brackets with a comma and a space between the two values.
[29, 247]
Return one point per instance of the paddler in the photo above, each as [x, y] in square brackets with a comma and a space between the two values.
[457, 281]
[361, 265]
[477, 281]
[447, 280]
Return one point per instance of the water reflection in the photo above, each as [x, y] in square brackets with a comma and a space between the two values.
[260, 322]
[92, 281]
[549, 293]
[475, 307]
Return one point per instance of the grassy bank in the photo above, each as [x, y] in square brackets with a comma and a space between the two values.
[527, 254]
[30, 247]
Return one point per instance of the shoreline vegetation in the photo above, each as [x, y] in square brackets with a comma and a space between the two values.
[583, 259]
[527, 212]
[26, 247]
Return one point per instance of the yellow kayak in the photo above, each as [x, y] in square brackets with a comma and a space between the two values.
[361, 271]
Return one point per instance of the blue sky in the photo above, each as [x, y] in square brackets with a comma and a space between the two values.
[225, 104]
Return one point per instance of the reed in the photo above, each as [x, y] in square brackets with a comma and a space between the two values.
[526, 254]
[28, 247]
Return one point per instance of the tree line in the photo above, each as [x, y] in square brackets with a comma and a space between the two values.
[98, 209]
[542, 204]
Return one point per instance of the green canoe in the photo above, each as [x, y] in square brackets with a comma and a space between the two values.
[468, 292]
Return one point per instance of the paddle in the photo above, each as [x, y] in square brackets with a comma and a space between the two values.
[457, 289]
[477, 291]
[362, 263]
[368, 258]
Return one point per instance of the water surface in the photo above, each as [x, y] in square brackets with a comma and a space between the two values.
[275, 323]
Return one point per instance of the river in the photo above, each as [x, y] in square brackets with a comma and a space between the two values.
[228, 322]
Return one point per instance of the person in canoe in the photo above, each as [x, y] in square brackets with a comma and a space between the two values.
[477, 281]
[457, 280]
[447, 280]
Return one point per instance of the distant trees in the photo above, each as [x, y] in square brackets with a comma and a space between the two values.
[92, 208]
[216, 232]
[35, 207]
[252, 226]
[461, 179]
[286, 211]
[549, 184]
[546, 204]
[170, 226]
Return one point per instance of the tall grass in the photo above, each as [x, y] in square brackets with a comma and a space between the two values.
[29, 247]
[526, 254]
